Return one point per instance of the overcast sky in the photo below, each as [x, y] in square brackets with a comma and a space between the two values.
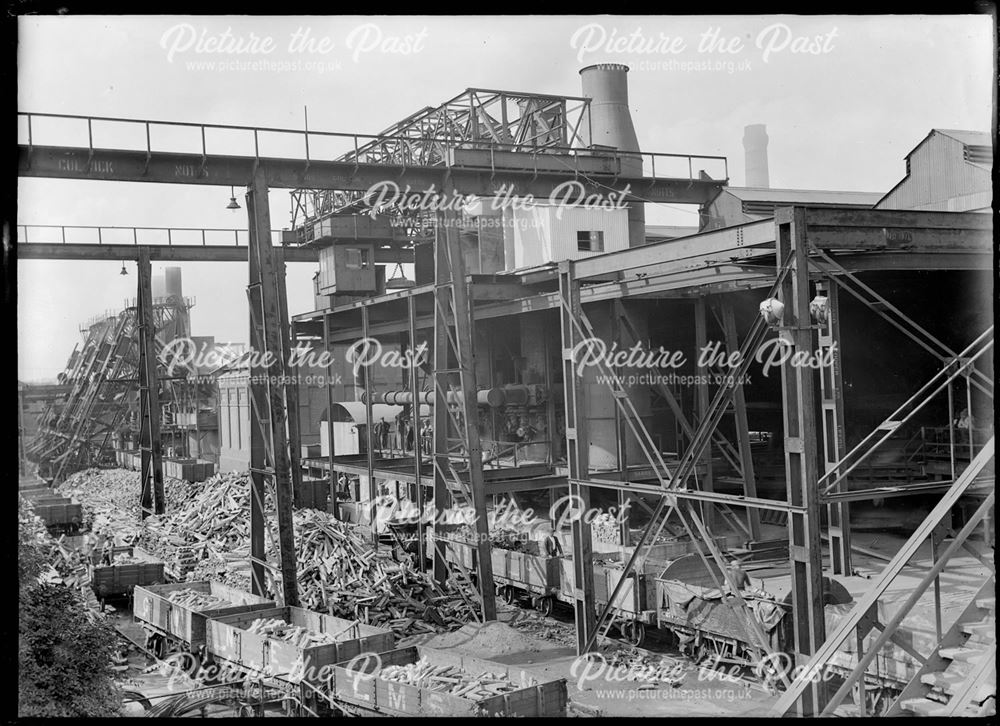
[842, 117]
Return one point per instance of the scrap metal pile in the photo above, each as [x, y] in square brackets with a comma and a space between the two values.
[194, 600]
[205, 535]
[450, 679]
[68, 565]
[295, 634]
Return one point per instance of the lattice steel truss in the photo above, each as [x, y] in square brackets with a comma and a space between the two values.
[103, 375]
[477, 118]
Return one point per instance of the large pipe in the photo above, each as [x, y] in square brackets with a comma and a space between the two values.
[755, 150]
[494, 397]
[610, 124]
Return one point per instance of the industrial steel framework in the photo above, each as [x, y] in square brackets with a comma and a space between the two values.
[75, 431]
[803, 240]
[475, 119]
[825, 246]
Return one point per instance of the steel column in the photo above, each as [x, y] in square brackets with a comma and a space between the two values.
[834, 444]
[701, 402]
[451, 292]
[801, 454]
[578, 462]
[152, 499]
[331, 506]
[291, 381]
[742, 424]
[269, 444]
[411, 313]
[365, 372]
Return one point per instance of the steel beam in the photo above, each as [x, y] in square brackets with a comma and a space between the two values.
[67, 162]
[801, 454]
[162, 253]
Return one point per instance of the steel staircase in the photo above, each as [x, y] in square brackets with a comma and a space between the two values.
[961, 680]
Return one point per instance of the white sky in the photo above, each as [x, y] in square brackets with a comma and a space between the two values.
[840, 119]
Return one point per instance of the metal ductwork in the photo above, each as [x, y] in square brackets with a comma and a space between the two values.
[610, 124]
[755, 149]
[513, 395]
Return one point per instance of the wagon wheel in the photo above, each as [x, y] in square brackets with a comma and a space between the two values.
[509, 595]
[625, 628]
[544, 605]
[158, 646]
[635, 633]
[700, 651]
[246, 711]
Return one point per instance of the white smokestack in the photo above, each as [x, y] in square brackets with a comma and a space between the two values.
[610, 124]
[755, 148]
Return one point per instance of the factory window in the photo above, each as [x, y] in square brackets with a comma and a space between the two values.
[590, 241]
[355, 258]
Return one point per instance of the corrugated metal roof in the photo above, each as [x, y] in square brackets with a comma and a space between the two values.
[969, 138]
[804, 196]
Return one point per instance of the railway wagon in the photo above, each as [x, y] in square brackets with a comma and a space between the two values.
[181, 626]
[635, 607]
[228, 639]
[60, 514]
[690, 606]
[119, 579]
[360, 688]
[33, 494]
[520, 573]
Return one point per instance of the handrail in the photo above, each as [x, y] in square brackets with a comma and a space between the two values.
[840, 471]
[377, 139]
[864, 605]
[204, 233]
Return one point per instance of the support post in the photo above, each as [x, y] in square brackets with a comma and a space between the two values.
[578, 462]
[742, 425]
[365, 372]
[451, 295]
[411, 313]
[702, 402]
[801, 455]
[332, 507]
[291, 381]
[834, 444]
[269, 445]
[150, 444]
[442, 426]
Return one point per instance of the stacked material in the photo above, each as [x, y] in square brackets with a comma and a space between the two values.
[607, 528]
[295, 634]
[110, 500]
[197, 600]
[503, 538]
[68, 564]
[341, 573]
[634, 665]
[207, 537]
[450, 679]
